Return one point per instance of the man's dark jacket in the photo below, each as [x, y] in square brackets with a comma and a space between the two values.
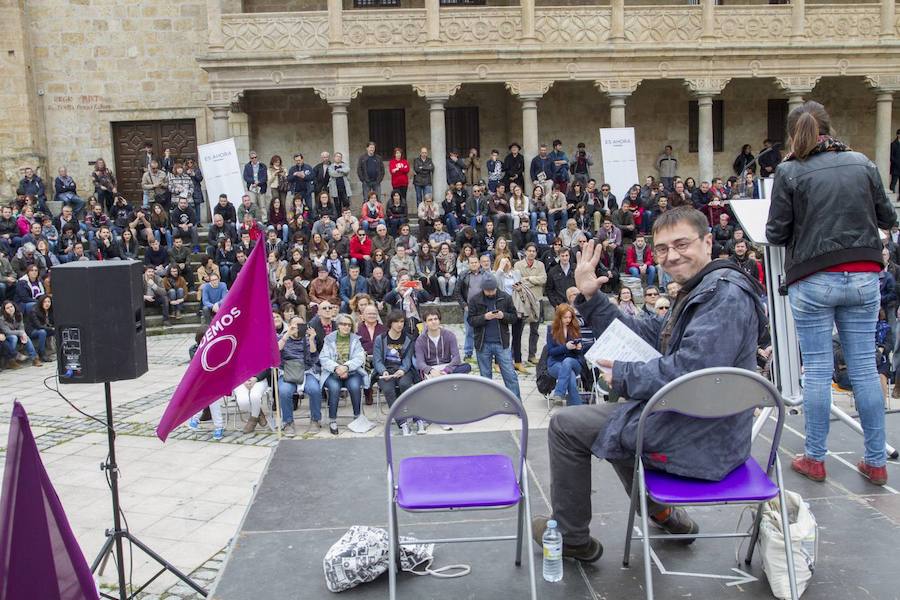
[703, 318]
[477, 310]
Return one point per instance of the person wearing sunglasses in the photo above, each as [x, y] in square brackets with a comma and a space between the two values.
[343, 361]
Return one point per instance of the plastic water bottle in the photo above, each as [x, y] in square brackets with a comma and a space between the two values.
[552, 542]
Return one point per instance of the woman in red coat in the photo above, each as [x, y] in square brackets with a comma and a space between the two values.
[399, 168]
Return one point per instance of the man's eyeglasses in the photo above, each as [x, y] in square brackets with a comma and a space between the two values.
[651, 293]
[680, 246]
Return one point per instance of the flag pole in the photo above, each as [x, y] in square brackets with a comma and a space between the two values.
[277, 402]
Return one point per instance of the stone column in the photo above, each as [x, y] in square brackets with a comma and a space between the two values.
[340, 129]
[709, 21]
[617, 21]
[618, 91]
[529, 92]
[220, 122]
[528, 20]
[885, 86]
[797, 87]
[437, 95]
[888, 12]
[705, 136]
[335, 23]
[432, 22]
[705, 89]
[339, 98]
[215, 38]
[798, 18]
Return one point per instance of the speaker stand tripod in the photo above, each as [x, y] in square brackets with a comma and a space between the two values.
[117, 534]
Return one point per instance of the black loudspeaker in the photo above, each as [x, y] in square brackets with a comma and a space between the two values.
[98, 308]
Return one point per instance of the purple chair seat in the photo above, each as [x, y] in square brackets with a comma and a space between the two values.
[436, 482]
[747, 483]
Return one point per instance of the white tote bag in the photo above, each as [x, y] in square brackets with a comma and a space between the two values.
[804, 541]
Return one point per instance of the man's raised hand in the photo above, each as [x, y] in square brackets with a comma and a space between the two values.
[586, 279]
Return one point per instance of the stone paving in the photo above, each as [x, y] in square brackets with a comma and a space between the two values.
[185, 498]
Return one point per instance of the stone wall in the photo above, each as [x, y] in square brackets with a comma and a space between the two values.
[113, 60]
[257, 6]
[21, 123]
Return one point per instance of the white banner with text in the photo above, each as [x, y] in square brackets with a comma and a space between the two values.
[619, 160]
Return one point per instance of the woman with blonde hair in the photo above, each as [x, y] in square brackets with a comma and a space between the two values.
[564, 359]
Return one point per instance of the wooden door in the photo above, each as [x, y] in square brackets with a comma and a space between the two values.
[128, 141]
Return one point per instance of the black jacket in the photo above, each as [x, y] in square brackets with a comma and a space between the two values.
[827, 210]
[477, 310]
[895, 157]
[558, 282]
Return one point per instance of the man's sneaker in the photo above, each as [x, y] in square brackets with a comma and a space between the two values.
[289, 430]
[405, 429]
[333, 428]
[589, 552]
[520, 367]
[21, 357]
[877, 475]
[421, 429]
[194, 424]
[314, 428]
[446, 428]
[676, 521]
[218, 433]
[533, 360]
[809, 467]
[469, 359]
[556, 399]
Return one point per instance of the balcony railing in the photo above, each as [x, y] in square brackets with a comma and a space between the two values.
[403, 30]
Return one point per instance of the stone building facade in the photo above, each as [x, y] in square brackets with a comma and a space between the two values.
[85, 78]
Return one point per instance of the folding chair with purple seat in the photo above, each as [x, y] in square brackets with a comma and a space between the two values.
[711, 394]
[450, 483]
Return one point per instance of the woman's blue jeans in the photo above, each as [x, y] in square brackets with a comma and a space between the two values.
[12, 342]
[566, 374]
[39, 340]
[353, 383]
[850, 301]
[311, 388]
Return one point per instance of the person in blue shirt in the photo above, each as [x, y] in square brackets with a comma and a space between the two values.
[211, 296]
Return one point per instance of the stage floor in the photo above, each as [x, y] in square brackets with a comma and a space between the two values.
[313, 491]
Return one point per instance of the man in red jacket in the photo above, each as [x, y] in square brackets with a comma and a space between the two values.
[361, 249]
[639, 260]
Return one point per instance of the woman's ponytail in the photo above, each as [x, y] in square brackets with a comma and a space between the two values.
[805, 124]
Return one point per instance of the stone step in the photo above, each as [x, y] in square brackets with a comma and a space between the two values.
[187, 318]
[187, 307]
[179, 328]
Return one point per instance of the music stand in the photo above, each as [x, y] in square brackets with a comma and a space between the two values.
[786, 373]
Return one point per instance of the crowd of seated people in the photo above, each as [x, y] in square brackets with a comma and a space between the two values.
[323, 250]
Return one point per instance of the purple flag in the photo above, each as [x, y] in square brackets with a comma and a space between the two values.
[239, 343]
[39, 557]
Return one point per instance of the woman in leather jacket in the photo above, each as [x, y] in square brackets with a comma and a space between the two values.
[828, 204]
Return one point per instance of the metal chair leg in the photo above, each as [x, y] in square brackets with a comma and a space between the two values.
[531, 577]
[754, 536]
[632, 508]
[392, 540]
[645, 521]
[520, 527]
[786, 527]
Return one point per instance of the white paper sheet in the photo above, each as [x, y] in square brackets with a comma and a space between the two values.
[619, 343]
